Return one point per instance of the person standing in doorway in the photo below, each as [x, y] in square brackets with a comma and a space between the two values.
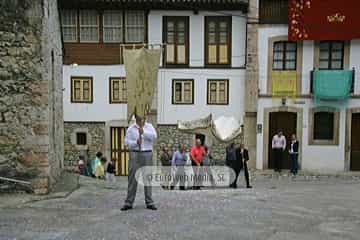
[139, 138]
[197, 154]
[278, 147]
[242, 156]
[294, 152]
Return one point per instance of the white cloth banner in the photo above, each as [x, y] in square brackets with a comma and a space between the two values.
[224, 129]
[141, 66]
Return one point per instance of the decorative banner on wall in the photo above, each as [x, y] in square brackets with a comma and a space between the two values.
[141, 66]
[324, 20]
[332, 87]
[284, 84]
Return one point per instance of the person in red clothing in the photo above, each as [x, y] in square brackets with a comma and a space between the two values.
[197, 154]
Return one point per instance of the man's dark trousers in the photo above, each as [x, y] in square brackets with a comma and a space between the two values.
[237, 173]
[278, 152]
[293, 160]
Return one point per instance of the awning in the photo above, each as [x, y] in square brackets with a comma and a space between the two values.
[332, 85]
[224, 129]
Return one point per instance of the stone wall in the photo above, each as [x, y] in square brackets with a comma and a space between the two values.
[170, 136]
[95, 133]
[31, 95]
[52, 57]
[251, 83]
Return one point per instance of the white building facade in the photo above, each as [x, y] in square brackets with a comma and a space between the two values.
[202, 72]
[328, 136]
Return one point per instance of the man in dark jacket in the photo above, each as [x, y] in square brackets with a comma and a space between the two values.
[231, 161]
[242, 156]
[293, 153]
[165, 160]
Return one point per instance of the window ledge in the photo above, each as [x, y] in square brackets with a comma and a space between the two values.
[182, 103]
[323, 142]
[81, 147]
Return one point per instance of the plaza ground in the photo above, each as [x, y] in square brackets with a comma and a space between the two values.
[278, 207]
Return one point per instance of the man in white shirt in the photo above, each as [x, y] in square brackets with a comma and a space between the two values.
[139, 138]
[278, 147]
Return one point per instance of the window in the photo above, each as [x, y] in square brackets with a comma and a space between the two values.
[218, 92]
[69, 25]
[89, 26]
[218, 40]
[284, 55]
[331, 55]
[176, 37]
[273, 11]
[81, 88]
[324, 126]
[183, 92]
[134, 26]
[118, 90]
[113, 26]
[117, 26]
[81, 138]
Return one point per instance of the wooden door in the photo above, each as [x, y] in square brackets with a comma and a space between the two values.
[285, 121]
[119, 153]
[355, 142]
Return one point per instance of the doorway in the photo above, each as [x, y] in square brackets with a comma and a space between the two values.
[119, 153]
[285, 121]
[355, 142]
[201, 137]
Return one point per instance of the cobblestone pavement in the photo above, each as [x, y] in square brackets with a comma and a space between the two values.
[276, 208]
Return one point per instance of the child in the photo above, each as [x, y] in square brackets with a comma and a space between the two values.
[81, 166]
[100, 168]
[96, 161]
[110, 172]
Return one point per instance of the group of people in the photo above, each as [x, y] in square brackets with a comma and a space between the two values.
[98, 168]
[199, 156]
[278, 146]
[140, 137]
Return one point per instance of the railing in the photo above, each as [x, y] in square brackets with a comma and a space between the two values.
[312, 81]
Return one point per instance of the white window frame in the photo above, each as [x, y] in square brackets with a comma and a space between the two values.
[90, 26]
[70, 26]
[121, 26]
[143, 26]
